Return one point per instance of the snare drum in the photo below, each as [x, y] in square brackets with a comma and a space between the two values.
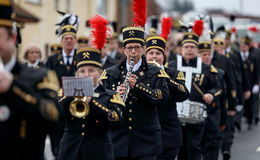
[191, 112]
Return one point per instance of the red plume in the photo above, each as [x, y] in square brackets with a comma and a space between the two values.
[253, 29]
[198, 27]
[139, 11]
[166, 27]
[233, 30]
[99, 32]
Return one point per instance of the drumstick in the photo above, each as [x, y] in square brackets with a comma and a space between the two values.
[198, 89]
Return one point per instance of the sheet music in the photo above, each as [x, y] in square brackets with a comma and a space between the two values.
[77, 86]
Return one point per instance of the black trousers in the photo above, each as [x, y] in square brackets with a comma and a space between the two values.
[210, 145]
[168, 155]
[192, 135]
[228, 135]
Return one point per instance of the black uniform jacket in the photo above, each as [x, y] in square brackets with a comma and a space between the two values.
[141, 131]
[170, 123]
[87, 138]
[56, 63]
[225, 63]
[28, 110]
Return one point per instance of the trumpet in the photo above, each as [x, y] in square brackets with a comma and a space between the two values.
[79, 107]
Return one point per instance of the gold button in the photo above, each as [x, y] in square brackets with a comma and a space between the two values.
[130, 127]
[130, 102]
[130, 119]
[97, 121]
[130, 110]
[82, 133]
[72, 118]
[83, 125]
[137, 85]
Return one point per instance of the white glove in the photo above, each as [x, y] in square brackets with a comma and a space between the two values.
[239, 108]
[255, 89]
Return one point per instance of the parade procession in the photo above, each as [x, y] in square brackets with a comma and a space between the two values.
[146, 84]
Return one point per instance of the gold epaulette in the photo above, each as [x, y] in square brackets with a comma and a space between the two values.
[60, 93]
[50, 81]
[213, 69]
[180, 76]
[117, 99]
[103, 75]
[163, 74]
[166, 65]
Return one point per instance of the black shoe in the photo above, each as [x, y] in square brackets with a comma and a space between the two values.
[249, 127]
[256, 121]
[238, 126]
[226, 155]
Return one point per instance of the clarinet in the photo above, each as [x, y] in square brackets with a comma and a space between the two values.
[128, 75]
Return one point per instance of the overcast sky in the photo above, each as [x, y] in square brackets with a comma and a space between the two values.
[241, 6]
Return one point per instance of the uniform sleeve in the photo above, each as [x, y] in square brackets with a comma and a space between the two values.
[156, 94]
[111, 114]
[177, 87]
[39, 101]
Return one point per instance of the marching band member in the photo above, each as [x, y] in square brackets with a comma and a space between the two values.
[86, 137]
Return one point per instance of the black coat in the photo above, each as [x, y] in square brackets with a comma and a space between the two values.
[109, 62]
[170, 123]
[87, 138]
[141, 131]
[225, 64]
[32, 105]
[56, 63]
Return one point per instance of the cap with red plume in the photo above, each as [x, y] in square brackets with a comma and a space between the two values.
[92, 56]
[135, 34]
[99, 31]
[159, 42]
[139, 11]
[166, 27]
[198, 27]
[253, 29]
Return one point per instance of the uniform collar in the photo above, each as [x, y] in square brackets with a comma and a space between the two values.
[136, 66]
[10, 65]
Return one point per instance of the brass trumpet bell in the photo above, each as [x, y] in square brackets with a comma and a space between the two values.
[79, 107]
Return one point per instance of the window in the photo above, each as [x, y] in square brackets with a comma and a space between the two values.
[34, 1]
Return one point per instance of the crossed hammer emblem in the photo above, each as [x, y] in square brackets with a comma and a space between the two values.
[154, 41]
[85, 55]
[131, 33]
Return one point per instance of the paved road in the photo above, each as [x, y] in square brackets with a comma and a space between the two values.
[246, 145]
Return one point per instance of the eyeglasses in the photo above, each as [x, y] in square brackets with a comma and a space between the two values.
[137, 48]
[191, 47]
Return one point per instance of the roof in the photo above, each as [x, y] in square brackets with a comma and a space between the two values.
[24, 16]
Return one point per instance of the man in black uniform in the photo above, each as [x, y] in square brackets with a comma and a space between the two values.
[170, 124]
[217, 115]
[249, 63]
[201, 82]
[145, 88]
[27, 99]
[64, 63]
